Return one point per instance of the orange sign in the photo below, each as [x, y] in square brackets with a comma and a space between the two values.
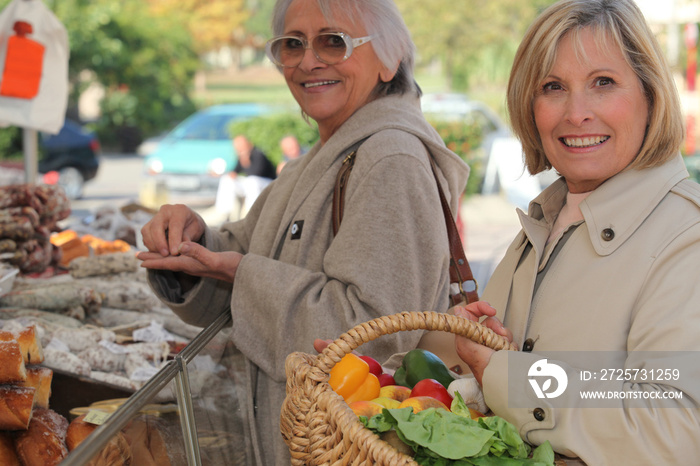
[23, 62]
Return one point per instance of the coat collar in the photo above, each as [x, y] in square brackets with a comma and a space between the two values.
[392, 112]
[616, 208]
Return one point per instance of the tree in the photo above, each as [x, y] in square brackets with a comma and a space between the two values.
[469, 37]
[145, 64]
[210, 23]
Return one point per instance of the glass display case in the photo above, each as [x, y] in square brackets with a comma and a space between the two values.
[192, 412]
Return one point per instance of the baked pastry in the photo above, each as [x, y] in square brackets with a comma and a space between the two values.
[8, 457]
[29, 343]
[154, 441]
[116, 453]
[16, 405]
[12, 367]
[44, 442]
[40, 378]
[78, 430]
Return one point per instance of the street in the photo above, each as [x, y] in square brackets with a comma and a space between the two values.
[117, 183]
[120, 181]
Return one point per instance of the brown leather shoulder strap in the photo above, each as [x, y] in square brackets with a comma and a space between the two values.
[463, 286]
[460, 272]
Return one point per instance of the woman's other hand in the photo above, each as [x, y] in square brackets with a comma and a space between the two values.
[172, 225]
[477, 356]
[196, 260]
[320, 345]
[170, 238]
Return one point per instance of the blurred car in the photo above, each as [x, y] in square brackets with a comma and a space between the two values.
[69, 158]
[459, 107]
[501, 153]
[192, 157]
[692, 163]
[149, 145]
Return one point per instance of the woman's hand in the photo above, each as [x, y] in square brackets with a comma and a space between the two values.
[170, 238]
[320, 345]
[172, 225]
[475, 355]
[196, 260]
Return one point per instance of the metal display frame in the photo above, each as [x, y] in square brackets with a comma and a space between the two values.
[175, 370]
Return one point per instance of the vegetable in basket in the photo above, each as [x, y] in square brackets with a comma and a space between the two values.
[351, 379]
[419, 364]
[443, 438]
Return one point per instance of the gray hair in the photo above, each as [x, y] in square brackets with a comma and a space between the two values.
[391, 39]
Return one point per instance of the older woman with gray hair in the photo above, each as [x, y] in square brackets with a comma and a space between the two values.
[283, 272]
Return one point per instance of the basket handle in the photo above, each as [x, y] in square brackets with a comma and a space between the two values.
[404, 321]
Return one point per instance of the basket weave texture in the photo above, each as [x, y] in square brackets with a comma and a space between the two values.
[316, 423]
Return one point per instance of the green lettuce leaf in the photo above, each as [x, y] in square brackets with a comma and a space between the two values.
[442, 438]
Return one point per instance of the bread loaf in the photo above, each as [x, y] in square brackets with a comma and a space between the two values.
[12, 367]
[40, 378]
[8, 457]
[29, 344]
[154, 441]
[44, 442]
[116, 453]
[16, 405]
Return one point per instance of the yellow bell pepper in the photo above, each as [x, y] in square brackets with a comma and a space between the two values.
[351, 379]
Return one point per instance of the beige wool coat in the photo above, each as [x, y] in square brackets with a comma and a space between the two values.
[622, 292]
[298, 282]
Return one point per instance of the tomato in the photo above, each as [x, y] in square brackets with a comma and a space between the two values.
[374, 366]
[386, 379]
[432, 388]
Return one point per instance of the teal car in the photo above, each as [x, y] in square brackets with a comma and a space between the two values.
[692, 163]
[191, 158]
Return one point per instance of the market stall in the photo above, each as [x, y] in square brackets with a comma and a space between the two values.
[107, 343]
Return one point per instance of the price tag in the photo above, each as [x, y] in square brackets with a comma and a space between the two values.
[97, 417]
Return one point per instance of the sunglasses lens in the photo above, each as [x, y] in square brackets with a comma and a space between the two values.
[330, 48]
[287, 51]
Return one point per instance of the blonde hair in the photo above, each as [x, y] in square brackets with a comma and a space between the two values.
[621, 21]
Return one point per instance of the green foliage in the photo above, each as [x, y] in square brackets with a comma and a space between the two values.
[266, 131]
[465, 140]
[145, 63]
[10, 143]
[473, 40]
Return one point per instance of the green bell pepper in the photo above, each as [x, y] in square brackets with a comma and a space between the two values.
[419, 364]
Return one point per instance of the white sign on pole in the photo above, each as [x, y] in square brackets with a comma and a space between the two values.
[33, 74]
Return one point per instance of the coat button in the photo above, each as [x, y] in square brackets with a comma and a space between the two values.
[528, 345]
[539, 414]
[608, 234]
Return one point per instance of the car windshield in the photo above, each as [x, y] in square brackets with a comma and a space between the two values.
[206, 127]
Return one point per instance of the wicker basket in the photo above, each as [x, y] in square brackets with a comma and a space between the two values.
[317, 424]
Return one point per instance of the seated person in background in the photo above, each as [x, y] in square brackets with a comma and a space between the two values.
[290, 150]
[239, 188]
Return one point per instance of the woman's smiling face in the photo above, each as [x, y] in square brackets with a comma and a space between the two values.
[591, 112]
[330, 94]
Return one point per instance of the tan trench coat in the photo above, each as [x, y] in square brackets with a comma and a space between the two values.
[297, 282]
[625, 284]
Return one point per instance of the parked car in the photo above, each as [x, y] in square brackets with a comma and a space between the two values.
[501, 155]
[69, 158]
[459, 107]
[192, 157]
[692, 163]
